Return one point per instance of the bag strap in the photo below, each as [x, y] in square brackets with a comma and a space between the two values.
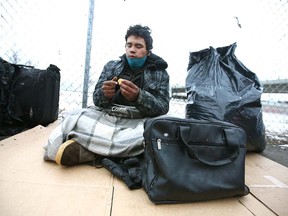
[229, 153]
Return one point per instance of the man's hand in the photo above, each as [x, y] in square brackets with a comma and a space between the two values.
[128, 90]
[109, 88]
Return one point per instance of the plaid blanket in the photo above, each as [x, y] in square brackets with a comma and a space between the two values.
[99, 132]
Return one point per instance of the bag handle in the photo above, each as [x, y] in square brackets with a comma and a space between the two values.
[227, 155]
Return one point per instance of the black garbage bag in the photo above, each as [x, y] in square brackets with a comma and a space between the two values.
[220, 87]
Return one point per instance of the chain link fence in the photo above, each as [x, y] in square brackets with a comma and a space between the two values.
[81, 36]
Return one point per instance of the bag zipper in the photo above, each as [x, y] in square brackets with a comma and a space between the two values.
[158, 144]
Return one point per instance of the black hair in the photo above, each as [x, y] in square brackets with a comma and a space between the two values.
[141, 31]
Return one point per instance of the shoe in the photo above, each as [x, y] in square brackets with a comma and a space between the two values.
[70, 153]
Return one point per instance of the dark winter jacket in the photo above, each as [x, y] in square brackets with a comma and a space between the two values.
[153, 99]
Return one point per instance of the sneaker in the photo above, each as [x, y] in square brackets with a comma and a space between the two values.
[70, 153]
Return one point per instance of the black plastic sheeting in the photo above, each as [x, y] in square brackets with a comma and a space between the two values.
[220, 87]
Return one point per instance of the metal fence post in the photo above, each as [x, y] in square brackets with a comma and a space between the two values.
[88, 54]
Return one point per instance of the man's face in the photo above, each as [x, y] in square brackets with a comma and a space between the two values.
[135, 47]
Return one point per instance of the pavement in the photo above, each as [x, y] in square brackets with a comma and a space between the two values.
[277, 153]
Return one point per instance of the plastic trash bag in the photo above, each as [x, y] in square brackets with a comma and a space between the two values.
[220, 87]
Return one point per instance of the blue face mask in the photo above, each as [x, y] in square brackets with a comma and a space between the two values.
[136, 63]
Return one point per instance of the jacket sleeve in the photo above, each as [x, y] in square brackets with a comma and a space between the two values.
[153, 99]
[107, 73]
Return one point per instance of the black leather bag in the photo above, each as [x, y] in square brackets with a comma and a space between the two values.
[188, 160]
